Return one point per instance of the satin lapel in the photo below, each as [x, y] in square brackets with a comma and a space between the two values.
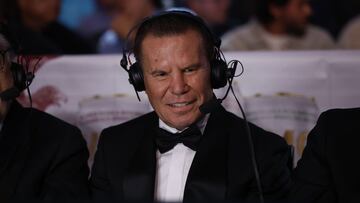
[139, 178]
[207, 176]
[13, 149]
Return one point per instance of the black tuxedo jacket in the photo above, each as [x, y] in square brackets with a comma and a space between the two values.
[329, 169]
[125, 163]
[41, 157]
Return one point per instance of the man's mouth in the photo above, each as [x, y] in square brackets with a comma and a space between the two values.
[180, 104]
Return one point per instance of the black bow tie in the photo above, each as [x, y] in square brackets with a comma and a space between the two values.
[190, 137]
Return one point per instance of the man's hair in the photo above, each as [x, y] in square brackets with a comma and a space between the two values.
[172, 24]
[262, 9]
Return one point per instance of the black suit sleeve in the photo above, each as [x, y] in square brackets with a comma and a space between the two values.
[312, 178]
[99, 182]
[67, 177]
[274, 157]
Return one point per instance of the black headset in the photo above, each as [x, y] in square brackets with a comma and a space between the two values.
[21, 79]
[220, 73]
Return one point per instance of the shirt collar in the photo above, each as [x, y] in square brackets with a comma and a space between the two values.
[201, 124]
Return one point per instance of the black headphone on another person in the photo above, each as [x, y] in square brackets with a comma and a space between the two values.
[21, 79]
[220, 73]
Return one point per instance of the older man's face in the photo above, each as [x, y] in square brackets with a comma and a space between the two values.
[176, 76]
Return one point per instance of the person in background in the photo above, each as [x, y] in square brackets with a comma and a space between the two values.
[93, 26]
[34, 24]
[42, 157]
[214, 12]
[333, 15]
[350, 35]
[128, 13]
[278, 25]
[178, 153]
[327, 171]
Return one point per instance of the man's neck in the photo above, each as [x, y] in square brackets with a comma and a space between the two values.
[201, 123]
[275, 28]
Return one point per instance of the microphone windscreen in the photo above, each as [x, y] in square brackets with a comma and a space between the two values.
[9, 94]
[209, 106]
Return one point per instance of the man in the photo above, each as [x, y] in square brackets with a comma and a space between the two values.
[41, 157]
[327, 171]
[350, 35]
[214, 12]
[136, 161]
[279, 25]
[35, 25]
[127, 13]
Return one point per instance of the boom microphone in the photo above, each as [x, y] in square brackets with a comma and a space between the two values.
[9, 94]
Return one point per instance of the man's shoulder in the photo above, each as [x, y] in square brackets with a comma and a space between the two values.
[318, 33]
[239, 37]
[259, 134]
[337, 127]
[47, 121]
[51, 129]
[267, 145]
[135, 124]
[241, 30]
[340, 115]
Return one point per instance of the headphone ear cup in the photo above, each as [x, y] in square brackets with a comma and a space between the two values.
[19, 76]
[218, 73]
[136, 77]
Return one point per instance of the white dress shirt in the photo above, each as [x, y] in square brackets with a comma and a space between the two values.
[173, 167]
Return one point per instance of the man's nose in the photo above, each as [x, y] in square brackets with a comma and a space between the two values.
[179, 84]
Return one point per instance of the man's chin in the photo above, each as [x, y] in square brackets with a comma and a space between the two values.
[182, 122]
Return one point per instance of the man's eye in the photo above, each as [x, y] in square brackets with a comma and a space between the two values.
[189, 70]
[159, 74]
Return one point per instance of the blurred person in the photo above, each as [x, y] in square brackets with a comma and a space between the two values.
[42, 157]
[34, 23]
[94, 25]
[214, 12]
[350, 35]
[278, 25]
[327, 171]
[179, 153]
[128, 13]
[333, 15]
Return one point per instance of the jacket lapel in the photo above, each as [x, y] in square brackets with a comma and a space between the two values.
[139, 176]
[13, 148]
[207, 177]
